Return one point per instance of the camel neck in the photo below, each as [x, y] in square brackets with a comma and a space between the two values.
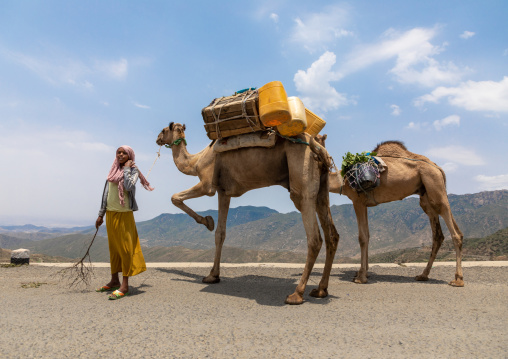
[184, 161]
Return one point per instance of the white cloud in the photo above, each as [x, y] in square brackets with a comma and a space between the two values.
[467, 34]
[395, 110]
[492, 183]
[450, 167]
[314, 85]
[414, 54]
[58, 70]
[458, 154]
[274, 17]
[472, 95]
[141, 106]
[447, 121]
[66, 71]
[417, 126]
[315, 31]
[413, 126]
[115, 69]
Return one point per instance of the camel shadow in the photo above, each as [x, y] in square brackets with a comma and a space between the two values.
[264, 290]
[374, 278]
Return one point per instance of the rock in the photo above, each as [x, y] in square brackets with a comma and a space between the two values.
[20, 256]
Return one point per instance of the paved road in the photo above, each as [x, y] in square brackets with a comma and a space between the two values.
[171, 314]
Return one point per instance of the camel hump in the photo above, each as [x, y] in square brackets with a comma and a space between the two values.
[390, 147]
[398, 149]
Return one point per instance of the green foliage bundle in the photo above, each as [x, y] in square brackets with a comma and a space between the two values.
[350, 159]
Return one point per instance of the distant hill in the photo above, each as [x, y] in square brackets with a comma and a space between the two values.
[69, 248]
[393, 226]
[72, 246]
[7, 241]
[493, 247]
[35, 233]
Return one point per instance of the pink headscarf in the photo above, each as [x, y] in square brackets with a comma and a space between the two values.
[116, 174]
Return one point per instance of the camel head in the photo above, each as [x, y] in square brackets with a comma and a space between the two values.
[171, 134]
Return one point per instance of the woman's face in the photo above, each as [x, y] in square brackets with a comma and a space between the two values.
[121, 155]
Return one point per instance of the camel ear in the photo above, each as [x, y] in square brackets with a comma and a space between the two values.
[324, 137]
[184, 126]
[171, 126]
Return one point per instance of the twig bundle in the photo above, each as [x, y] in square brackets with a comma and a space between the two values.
[82, 270]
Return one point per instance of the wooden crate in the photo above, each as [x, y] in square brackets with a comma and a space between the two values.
[232, 115]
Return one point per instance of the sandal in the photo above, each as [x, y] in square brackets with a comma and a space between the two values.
[117, 295]
[105, 288]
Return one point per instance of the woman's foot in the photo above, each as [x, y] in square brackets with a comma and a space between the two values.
[117, 295]
[107, 288]
[112, 285]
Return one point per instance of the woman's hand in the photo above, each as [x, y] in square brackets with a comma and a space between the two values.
[98, 222]
[129, 163]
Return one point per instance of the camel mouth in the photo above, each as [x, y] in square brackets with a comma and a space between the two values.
[159, 141]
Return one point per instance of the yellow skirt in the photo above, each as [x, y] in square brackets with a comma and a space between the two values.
[124, 249]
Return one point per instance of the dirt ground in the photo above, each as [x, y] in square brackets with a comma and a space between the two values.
[170, 313]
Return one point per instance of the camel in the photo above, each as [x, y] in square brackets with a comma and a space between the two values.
[407, 174]
[233, 173]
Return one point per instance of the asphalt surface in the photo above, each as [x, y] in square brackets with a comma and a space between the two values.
[170, 313]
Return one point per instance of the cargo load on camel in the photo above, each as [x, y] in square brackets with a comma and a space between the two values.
[253, 110]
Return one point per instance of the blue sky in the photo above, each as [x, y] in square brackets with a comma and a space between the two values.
[78, 79]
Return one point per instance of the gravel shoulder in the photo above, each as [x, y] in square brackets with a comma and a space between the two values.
[171, 314]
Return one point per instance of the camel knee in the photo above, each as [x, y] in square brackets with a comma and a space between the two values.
[176, 200]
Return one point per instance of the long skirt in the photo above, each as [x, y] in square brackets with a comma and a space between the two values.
[124, 248]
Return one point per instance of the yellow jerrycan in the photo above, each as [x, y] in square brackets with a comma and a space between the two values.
[298, 122]
[314, 123]
[273, 104]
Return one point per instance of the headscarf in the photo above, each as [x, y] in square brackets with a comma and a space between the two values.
[116, 174]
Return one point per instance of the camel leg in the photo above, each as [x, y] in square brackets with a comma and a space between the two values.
[439, 200]
[220, 236]
[331, 239]
[314, 242]
[437, 236]
[199, 190]
[363, 238]
[458, 238]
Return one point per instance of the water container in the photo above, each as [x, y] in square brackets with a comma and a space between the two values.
[273, 104]
[298, 122]
[314, 123]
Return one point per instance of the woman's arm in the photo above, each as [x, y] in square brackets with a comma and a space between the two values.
[130, 177]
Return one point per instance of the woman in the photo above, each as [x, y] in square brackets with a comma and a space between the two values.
[118, 204]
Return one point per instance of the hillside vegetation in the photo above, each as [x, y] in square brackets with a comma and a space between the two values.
[399, 232]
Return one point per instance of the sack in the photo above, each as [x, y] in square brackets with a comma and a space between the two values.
[363, 177]
[255, 139]
[232, 115]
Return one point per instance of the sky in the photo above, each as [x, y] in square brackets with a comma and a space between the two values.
[79, 79]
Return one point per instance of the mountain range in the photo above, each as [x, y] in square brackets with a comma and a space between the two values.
[393, 226]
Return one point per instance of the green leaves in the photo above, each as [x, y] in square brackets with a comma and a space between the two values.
[350, 159]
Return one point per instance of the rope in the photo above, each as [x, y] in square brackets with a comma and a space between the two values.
[218, 120]
[294, 140]
[176, 143]
[156, 158]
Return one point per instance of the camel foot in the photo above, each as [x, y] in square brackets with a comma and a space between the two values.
[459, 282]
[294, 299]
[210, 279]
[319, 293]
[422, 278]
[209, 223]
[360, 279]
